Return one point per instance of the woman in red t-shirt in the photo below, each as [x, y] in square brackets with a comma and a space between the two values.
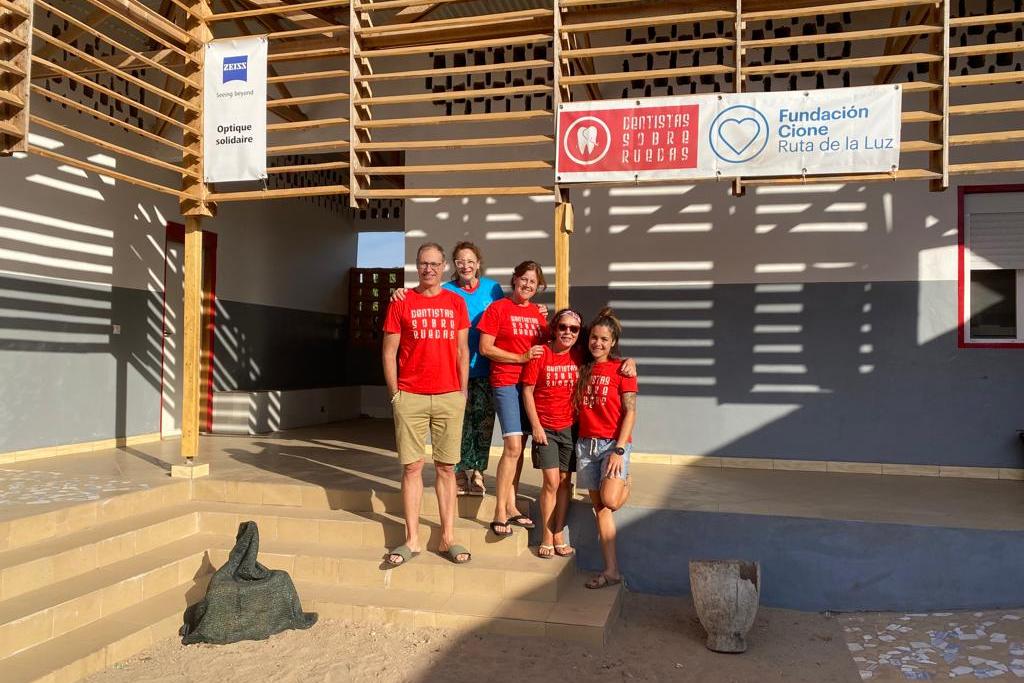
[511, 332]
[548, 383]
[606, 401]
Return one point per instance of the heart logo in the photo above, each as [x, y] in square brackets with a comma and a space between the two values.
[586, 139]
[739, 134]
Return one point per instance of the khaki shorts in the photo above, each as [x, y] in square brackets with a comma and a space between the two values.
[442, 414]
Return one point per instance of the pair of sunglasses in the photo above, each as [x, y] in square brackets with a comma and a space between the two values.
[562, 327]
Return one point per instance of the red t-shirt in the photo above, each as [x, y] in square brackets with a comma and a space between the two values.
[601, 412]
[554, 377]
[428, 351]
[515, 329]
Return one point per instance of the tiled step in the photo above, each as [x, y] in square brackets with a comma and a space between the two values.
[345, 528]
[579, 615]
[33, 567]
[49, 612]
[525, 577]
[105, 642]
[33, 529]
[384, 498]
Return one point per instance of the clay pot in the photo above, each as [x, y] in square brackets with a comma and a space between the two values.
[725, 593]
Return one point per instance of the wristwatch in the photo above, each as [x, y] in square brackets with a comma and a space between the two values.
[619, 450]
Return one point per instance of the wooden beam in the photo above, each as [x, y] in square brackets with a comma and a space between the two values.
[563, 229]
[284, 193]
[938, 100]
[194, 201]
[192, 328]
[503, 191]
[493, 117]
[413, 13]
[16, 81]
[102, 170]
[899, 45]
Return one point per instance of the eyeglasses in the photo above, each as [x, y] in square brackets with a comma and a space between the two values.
[562, 327]
[432, 265]
[465, 264]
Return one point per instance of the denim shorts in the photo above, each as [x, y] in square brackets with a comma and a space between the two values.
[508, 404]
[591, 455]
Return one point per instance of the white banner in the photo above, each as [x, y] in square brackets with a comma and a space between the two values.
[841, 130]
[235, 110]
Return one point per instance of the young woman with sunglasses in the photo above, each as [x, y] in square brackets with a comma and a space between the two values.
[548, 383]
[606, 401]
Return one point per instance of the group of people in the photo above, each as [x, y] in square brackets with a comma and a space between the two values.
[457, 353]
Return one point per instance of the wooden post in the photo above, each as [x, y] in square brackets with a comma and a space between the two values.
[938, 100]
[738, 26]
[15, 76]
[192, 324]
[563, 228]
[194, 206]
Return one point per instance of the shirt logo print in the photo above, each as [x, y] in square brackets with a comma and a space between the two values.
[433, 323]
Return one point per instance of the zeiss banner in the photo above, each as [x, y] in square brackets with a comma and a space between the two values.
[840, 130]
[235, 110]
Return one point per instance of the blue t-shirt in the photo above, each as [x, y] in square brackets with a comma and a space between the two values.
[477, 301]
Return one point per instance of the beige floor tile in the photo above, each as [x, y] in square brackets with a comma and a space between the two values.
[530, 586]
[26, 632]
[81, 667]
[515, 627]
[282, 494]
[748, 463]
[342, 532]
[590, 635]
[214, 490]
[77, 613]
[160, 580]
[26, 577]
[121, 595]
[74, 562]
[129, 645]
[800, 465]
[969, 472]
[298, 529]
[31, 529]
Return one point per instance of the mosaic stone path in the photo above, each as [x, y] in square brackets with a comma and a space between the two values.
[936, 646]
[18, 487]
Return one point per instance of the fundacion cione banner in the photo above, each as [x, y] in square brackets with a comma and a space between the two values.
[235, 110]
[841, 130]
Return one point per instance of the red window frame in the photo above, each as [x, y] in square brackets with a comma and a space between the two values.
[961, 332]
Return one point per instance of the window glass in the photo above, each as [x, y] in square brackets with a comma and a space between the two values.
[993, 304]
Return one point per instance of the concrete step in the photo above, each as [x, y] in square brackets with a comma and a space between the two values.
[385, 498]
[32, 567]
[525, 577]
[33, 529]
[579, 615]
[105, 642]
[346, 528]
[49, 612]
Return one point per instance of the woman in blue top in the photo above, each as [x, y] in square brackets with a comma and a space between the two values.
[478, 292]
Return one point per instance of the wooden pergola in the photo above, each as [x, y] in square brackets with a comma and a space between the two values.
[408, 98]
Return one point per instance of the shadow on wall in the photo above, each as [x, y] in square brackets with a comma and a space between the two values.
[816, 322]
[69, 337]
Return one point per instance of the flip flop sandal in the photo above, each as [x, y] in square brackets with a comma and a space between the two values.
[476, 484]
[549, 555]
[560, 550]
[521, 521]
[403, 551]
[602, 581]
[500, 534]
[452, 554]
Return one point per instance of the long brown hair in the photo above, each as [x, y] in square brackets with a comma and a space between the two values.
[605, 318]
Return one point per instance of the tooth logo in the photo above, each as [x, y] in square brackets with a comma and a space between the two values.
[586, 137]
[586, 140]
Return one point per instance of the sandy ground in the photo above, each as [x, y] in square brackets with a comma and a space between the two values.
[656, 639]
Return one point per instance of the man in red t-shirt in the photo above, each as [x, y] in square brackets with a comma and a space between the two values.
[426, 369]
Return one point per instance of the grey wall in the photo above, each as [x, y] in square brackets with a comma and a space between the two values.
[269, 347]
[848, 385]
[64, 377]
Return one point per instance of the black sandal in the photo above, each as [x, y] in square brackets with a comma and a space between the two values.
[501, 534]
[522, 521]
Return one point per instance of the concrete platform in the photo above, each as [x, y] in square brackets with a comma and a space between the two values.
[825, 540]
